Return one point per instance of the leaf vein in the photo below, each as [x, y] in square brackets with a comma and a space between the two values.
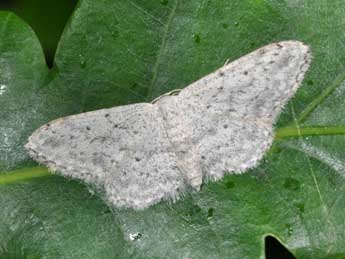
[319, 99]
[160, 52]
[136, 6]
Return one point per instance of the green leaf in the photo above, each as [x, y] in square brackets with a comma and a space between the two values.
[115, 52]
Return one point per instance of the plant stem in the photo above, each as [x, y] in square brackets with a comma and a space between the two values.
[291, 131]
[23, 174]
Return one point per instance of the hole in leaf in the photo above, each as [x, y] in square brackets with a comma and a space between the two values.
[274, 249]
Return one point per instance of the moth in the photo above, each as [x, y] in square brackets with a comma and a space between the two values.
[143, 153]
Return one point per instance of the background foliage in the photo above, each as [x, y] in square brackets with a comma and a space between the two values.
[115, 52]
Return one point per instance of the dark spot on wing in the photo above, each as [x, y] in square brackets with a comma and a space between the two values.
[100, 139]
[73, 155]
[279, 45]
[245, 72]
[52, 142]
[88, 128]
[211, 131]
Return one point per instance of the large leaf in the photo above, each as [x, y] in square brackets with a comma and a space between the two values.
[115, 52]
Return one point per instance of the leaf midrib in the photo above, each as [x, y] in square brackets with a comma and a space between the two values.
[161, 48]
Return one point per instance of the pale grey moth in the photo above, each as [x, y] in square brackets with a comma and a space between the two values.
[143, 153]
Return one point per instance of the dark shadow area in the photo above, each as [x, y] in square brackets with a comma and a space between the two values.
[275, 250]
[46, 17]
